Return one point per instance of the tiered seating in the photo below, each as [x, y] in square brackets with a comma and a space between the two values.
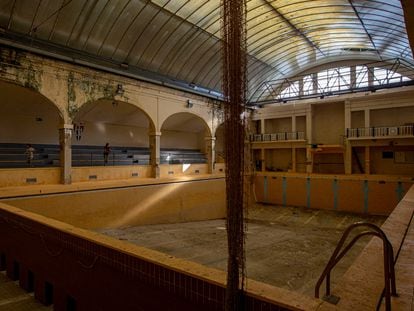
[181, 156]
[13, 156]
[93, 156]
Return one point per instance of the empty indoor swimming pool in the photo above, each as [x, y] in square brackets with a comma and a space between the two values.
[286, 247]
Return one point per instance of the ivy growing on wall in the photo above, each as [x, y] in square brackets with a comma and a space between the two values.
[92, 88]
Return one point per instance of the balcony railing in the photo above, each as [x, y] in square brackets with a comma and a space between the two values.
[282, 136]
[384, 131]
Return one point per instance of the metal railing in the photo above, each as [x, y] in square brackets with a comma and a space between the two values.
[383, 131]
[281, 136]
[339, 252]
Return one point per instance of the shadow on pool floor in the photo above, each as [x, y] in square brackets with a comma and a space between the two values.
[285, 246]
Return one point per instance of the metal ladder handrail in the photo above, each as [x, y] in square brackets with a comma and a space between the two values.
[389, 273]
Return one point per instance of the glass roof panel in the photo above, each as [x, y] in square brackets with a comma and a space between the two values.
[180, 39]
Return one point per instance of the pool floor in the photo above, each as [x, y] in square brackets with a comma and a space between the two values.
[286, 247]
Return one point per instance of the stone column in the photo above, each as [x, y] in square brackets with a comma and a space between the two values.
[65, 141]
[348, 146]
[367, 160]
[263, 159]
[348, 157]
[367, 121]
[293, 123]
[210, 143]
[309, 155]
[262, 150]
[348, 121]
[293, 160]
[294, 148]
[155, 149]
[262, 126]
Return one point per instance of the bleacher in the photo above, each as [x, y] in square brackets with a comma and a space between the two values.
[14, 155]
[46, 155]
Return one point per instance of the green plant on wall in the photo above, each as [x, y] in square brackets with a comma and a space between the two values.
[72, 106]
[31, 80]
[27, 75]
[90, 89]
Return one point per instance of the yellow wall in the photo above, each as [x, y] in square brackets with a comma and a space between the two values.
[357, 119]
[110, 172]
[328, 125]
[301, 124]
[112, 208]
[392, 116]
[171, 170]
[328, 163]
[376, 195]
[379, 165]
[18, 177]
[278, 160]
[278, 125]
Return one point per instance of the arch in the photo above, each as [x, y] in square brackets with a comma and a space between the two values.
[184, 130]
[28, 116]
[117, 122]
[194, 115]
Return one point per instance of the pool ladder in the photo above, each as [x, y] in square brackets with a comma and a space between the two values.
[389, 273]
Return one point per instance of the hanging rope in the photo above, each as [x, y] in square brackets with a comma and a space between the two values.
[234, 90]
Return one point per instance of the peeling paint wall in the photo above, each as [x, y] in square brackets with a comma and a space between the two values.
[70, 87]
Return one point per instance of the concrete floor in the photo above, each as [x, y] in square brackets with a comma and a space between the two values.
[286, 247]
[14, 298]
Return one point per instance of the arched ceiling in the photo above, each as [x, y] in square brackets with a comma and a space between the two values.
[177, 42]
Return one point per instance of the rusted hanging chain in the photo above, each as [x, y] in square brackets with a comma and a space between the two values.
[234, 90]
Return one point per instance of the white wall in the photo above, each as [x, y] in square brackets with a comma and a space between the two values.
[25, 129]
[115, 135]
[181, 140]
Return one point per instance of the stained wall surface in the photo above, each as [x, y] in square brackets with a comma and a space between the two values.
[376, 195]
[168, 202]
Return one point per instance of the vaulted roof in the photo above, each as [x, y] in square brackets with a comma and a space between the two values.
[177, 42]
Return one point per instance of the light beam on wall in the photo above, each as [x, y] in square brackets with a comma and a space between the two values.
[101, 127]
[152, 202]
[186, 167]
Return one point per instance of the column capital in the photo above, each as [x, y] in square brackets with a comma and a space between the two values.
[154, 133]
[210, 138]
[66, 126]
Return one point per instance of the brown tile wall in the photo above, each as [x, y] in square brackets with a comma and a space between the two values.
[99, 277]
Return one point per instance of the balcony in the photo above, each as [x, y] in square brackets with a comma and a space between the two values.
[402, 131]
[278, 137]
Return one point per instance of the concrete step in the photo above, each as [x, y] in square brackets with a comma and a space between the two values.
[14, 298]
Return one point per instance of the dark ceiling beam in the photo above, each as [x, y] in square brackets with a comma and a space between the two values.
[11, 14]
[49, 49]
[408, 7]
[293, 27]
[365, 28]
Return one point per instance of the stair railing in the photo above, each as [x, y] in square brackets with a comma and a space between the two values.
[389, 273]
